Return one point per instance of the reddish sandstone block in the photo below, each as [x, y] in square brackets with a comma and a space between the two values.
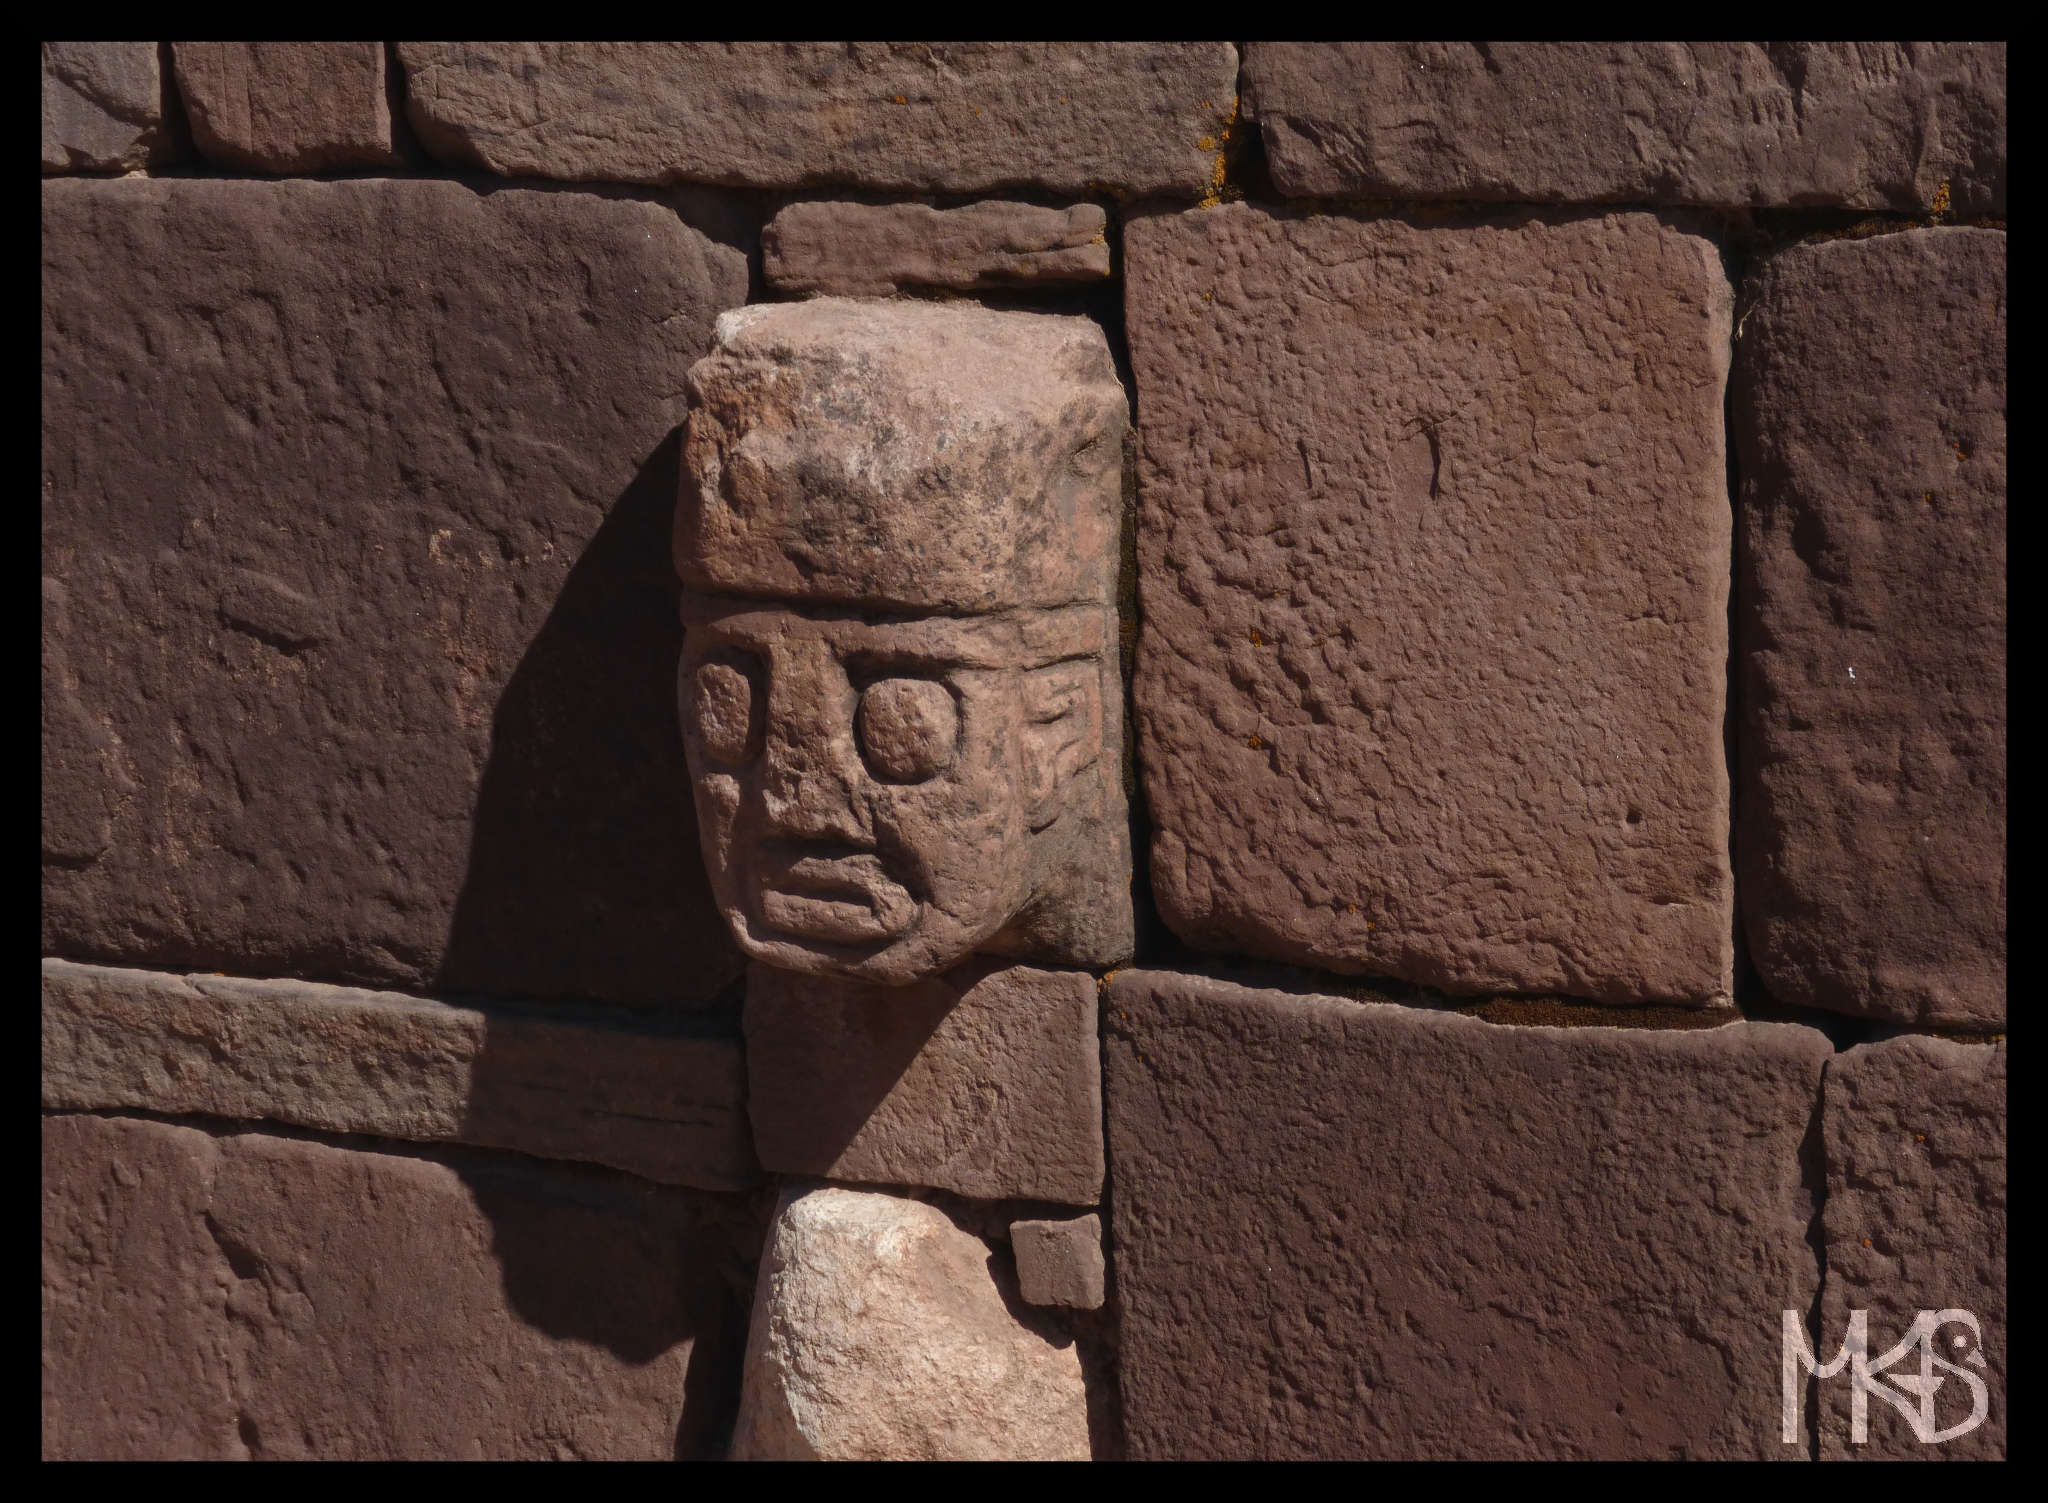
[103, 107]
[287, 107]
[1366, 1231]
[1433, 572]
[867, 250]
[1869, 421]
[1060, 1262]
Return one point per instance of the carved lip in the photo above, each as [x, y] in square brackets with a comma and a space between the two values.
[844, 898]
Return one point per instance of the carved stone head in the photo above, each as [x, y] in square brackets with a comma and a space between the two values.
[899, 687]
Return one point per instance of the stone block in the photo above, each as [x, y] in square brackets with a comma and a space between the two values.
[103, 108]
[897, 117]
[857, 250]
[287, 107]
[881, 1333]
[1433, 572]
[1904, 126]
[985, 1080]
[1869, 420]
[360, 632]
[1916, 1221]
[1060, 1262]
[603, 1085]
[1376, 1232]
[223, 1297]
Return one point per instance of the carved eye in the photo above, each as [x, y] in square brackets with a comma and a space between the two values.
[907, 728]
[723, 704]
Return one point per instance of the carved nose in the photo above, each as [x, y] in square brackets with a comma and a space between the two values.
[811, 773]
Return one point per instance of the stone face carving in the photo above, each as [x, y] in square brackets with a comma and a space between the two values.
[899, 687]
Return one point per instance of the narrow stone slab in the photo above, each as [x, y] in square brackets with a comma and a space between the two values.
[1060, 1262]
[360, 634]
[103, 108]
[984, 1080]
[860, 250]
[1869, 421]
[1433, 573]
[1906, 126]
[252, 1297]
[1916, 1221]
[903, 117]
[881, 1333]
[287, 107]
[606, 1086]
[1370, 1232]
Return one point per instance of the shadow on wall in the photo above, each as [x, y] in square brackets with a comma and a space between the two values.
[584, 878]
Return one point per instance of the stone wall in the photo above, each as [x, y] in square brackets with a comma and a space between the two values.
[1562, 599]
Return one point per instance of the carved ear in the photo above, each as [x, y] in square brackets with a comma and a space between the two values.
[1062, 733]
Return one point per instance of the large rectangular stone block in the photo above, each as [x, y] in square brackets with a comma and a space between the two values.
[1869, 422]
[904, 117]
[1433, 573]
[1367, 1231]
[253, 1297]
[359, 634]
[604, 1085]
[1916, 1222]
[1906, 126]
[287, 107]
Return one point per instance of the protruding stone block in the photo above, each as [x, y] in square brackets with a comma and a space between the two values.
[900, 690]
[985, 1080]
[880, 1333]
[1906, 126]
[287, 107]
[1869, 420]
[898, 117]
[1362, 1231]
[603, 1085]
[355, 496]
[245, 1296]
[1433, 567]
[1060, 1262]
[1916, 1222]
[103, 107]
[856, 249]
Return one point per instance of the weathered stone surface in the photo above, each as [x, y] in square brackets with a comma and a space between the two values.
[1858, 125]
[605, 1085]
[900, 117]
[855, 249]
[881, 1333]
[103, 107]
[1869, 421]
[287, 107]
[1916, 1220]
[1366, 1231]
[1433, 568]
[1060, 1262]
[883, 794]
[209, 1296]
[354, 503]
[986, 1080]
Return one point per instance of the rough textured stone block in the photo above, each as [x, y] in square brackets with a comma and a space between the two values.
[103, 107]
[881, 1333]
[287, 107]
[985, 1080]
[936, 772]
[603, 1085]
[1869, 421]
[903, 117]
[1433, 572]
[360, 633]
[1365, 1231]
[1916, 1221]
[1857, 125]
[215, 1297]
[874, 249]
[1060, 1262]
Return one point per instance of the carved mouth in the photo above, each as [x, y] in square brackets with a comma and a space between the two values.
[843, 899]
